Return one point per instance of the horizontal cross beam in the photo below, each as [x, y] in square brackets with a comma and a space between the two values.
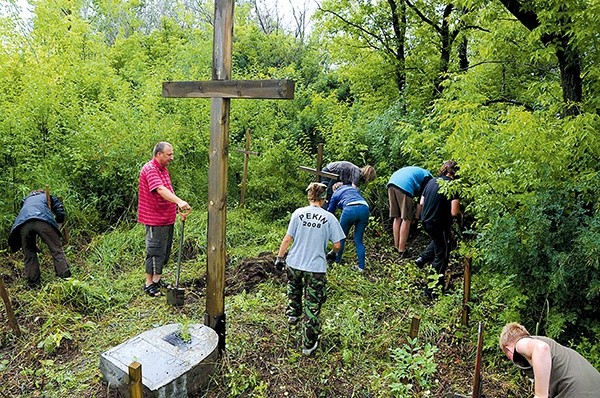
[248, 152]
[319, 172]
[263, 89]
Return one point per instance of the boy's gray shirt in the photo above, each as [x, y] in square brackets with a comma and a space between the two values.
[312, 227]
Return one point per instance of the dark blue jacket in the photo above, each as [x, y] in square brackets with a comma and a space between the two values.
[35, 207]
[343, 196]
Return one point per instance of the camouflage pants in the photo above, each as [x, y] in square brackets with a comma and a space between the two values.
[311, 285]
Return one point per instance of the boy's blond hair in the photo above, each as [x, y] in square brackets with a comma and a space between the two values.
[316, 191]
[511, 332]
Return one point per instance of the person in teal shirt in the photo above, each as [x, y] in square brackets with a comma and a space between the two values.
[404, 185]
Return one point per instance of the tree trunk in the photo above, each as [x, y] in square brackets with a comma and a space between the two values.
[569, 60]
[399, 25]
[446, 39]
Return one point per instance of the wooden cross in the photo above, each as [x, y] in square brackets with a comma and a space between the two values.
[318, 172]
[247, 152]
[220, 90]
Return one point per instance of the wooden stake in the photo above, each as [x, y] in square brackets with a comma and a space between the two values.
[466, 292]
[247, 152]
[135, 380]
[414, 327]
[478, 360]
[319, 160]
[48, 201]
[9, 311]
[318, 172]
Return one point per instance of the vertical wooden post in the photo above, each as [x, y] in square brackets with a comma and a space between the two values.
[48, 201]
[247, 152]
[319, 161]
[217, 172]
[245, 172]
[466, 292]
[221, 89]
[414, 327]
[9, 311]
[135, 380]
[478, 360]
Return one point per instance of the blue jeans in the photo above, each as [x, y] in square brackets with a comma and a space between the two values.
[357, 215]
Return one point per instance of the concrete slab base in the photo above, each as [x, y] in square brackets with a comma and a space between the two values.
[176, 361]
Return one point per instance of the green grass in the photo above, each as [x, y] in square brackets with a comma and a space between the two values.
[364, 348]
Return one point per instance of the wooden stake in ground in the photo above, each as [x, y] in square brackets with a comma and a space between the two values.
[247, 152]
[135, 380]
[466, 292]
[477, 381]
[9, 311]
[48, 201]
[221, 89]
[414, 327]
[318, 171]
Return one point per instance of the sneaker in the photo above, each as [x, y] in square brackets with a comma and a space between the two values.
[420, 262]
[292, 320]
[162, 284]
[428, 295]
[34, 284]
[361, 270]
[152, 290]
[308, 351]
[66, 275]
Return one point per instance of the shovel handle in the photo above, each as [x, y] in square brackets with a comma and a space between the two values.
[183, 213]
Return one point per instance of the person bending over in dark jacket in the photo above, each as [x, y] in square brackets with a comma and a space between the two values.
[37, 218]
[348, 173]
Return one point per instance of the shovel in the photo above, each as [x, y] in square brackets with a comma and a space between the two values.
[176, 295]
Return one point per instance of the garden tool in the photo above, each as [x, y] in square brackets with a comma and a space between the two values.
[175, 294]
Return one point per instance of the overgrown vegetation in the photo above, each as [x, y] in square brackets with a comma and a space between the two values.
[387, 83]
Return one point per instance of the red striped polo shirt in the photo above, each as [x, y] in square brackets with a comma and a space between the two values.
[153, 209]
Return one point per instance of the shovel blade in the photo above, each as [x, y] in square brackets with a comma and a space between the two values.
[175, 296]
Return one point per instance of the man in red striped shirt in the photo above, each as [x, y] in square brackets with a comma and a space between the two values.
[157, 210]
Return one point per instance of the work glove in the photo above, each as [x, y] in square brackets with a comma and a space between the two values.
[331, 256]
[279, 263]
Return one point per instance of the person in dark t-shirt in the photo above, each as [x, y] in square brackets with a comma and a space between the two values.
[436, 215]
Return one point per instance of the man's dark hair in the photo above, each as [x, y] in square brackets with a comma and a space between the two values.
[449, 169]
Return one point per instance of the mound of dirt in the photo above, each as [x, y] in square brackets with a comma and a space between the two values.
[251, 272]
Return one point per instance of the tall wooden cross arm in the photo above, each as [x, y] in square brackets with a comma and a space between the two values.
[250, 89]
[319, 173]
[221, 89]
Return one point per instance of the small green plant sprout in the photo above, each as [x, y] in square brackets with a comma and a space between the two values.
[52, 341]
[184, 332]
[413, 368]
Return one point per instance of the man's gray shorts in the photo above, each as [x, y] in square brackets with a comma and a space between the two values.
[158, 248]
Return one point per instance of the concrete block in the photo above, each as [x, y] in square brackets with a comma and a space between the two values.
[171, 367]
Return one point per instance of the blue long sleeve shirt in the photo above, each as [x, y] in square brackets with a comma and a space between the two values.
[344, 196]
